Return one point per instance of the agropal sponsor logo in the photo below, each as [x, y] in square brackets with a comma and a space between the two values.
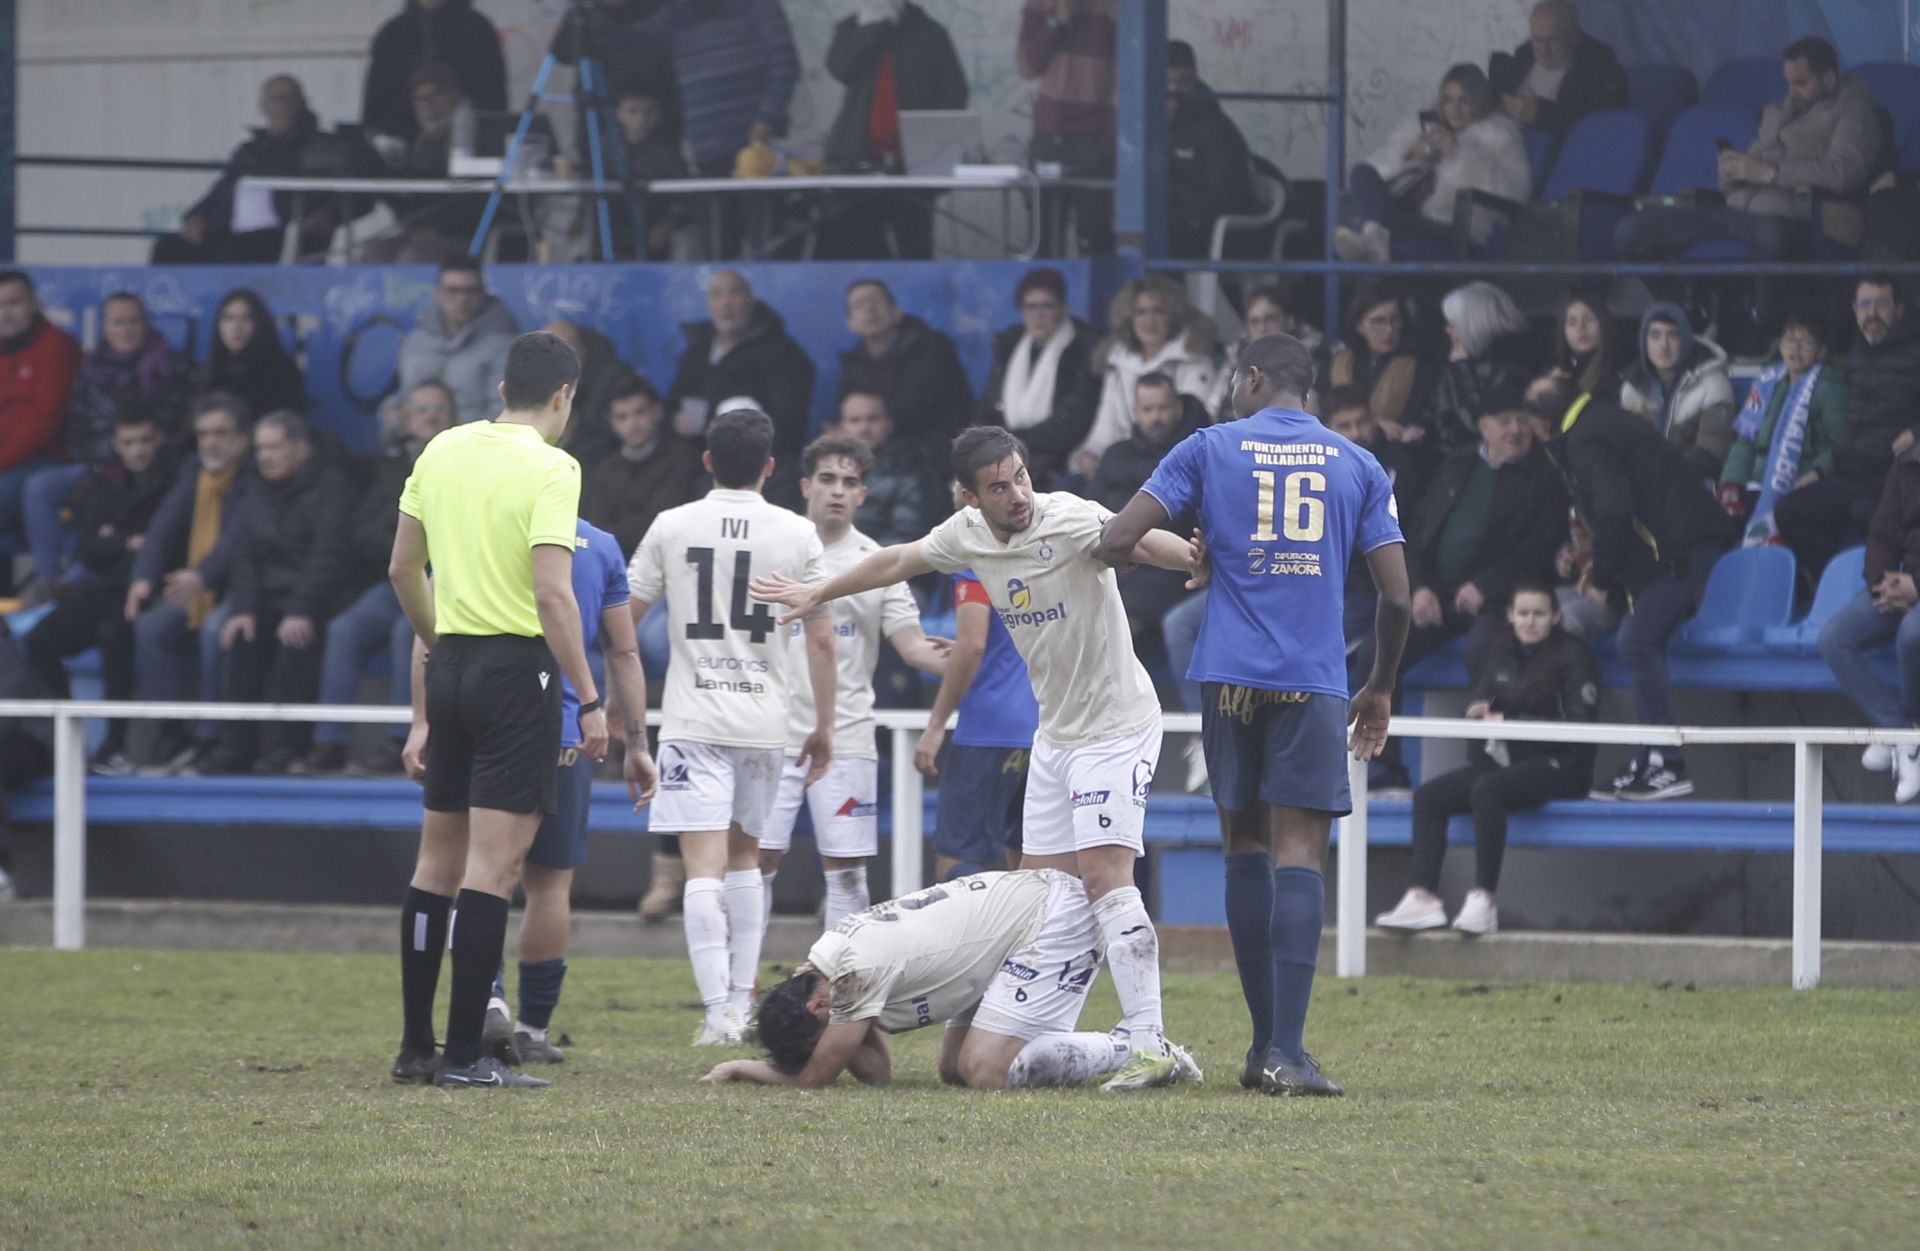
[1022, 612]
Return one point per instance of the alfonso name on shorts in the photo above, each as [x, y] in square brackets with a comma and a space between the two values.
[731, 665]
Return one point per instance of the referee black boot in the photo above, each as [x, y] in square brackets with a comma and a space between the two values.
[486, 1071]
[415, 1068]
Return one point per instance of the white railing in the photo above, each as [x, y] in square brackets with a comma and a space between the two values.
[1809, 744]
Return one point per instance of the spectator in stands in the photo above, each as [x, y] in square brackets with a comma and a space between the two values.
[26, 744]
[903, 492]
[1824, 135]
[1490, 352]
[651, 470]
[909, 364]
[1492, 518]
[1209, 166]
[187, 559]
[1155, 330]
[236, 226]
[460, 339]
[132, 367]
[1784, 438]
[628, 39]
[1162, 416]
[443, 32]
[890, 55]
[1377, 358]
[1535, 671]
[743, 348]
[372, 624]
[1680, 384]
[249, 360]
[1042, 384]
[1068, 46]
[1880, 614]
[1883, 414]
[113, 504]
[1269, 310]
[434, 228]
[38, 363]
[1559, 75]
[651, 136]
[1344, 411]
[1655, 535]
[1583, 351]
[1407, 189]
[289, 572]
[602, 372]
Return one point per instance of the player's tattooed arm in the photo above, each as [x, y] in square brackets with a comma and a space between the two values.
[1120, 540]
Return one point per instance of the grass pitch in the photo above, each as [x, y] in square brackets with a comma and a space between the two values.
[207, 1100]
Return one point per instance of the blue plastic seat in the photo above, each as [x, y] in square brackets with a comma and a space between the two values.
[1749, 589]
[1600, 168]
[1690, 159]
[1662, 92]
[1755, 81]
[1896, 89]
[1842, 579]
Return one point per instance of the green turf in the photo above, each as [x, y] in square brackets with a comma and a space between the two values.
[209, 1100]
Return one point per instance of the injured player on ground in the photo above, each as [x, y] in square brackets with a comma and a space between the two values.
[1005, 959]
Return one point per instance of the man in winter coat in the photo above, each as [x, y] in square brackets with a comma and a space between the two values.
[1883, 414]
[38, 361]
[903, 490]
[650, 470]
[447, 32]
[1825, 135]
[461, 340]
[1209, 168]
[602, 373]
[1559, 75]
[743, 351]
[1656, 533]
[1680, 384]
[913, 366]
[1162, 416]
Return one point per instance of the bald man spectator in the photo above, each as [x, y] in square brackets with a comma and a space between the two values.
[448, 32]
[1559, 75]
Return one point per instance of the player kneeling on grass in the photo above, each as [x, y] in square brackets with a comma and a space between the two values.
[1006, 959]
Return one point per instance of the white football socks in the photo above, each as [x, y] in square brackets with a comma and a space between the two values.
[745, 899]
[706, 924]
[1133, 954]
[766, 912]
[1067, 1059]
[846, 894]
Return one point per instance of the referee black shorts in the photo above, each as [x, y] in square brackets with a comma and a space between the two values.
[493, 716]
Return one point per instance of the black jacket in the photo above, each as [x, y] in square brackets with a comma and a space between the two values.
[926, 75]
[1883, 400]
[290, 544]
[111, 506]
[921, 379]
[166, 547]
[1572, 695]
[589, 436]
[1594, 82]
[452, 34]
[767, 365]
[377, 481]
[1209, 170]
[1459, 396]
[1647, 510]
[1525, 527]
[1076, 397]
[1125, 467]
[904, 496]
[262, 153]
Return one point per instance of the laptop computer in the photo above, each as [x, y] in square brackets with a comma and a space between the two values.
[933, 141]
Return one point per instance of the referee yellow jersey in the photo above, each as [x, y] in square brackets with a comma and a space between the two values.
[487, 494]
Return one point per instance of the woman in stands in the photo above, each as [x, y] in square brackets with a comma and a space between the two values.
[1490, 351]
[1377, 358]
[1680, 384]
[248, 358]
[1043, 386]
[1154, 329]
[1785, 434]
[1535, 671]
[1583, 351]
[1406, 191]
[1269, 311]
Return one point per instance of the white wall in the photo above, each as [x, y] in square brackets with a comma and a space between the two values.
[178, 78]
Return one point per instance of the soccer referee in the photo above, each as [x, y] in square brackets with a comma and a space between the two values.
[492, 505]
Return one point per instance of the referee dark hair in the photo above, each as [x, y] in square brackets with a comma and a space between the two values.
[492, 504]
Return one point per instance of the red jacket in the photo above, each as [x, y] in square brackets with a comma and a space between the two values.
[36, 371]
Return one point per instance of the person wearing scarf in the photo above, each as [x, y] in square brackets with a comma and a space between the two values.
[1042, 385]
[1785, 434]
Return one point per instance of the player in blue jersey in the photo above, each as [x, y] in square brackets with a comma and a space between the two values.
[985, 774]
[600, 587]
[1283, 504]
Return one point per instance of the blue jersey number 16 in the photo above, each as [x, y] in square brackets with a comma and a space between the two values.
[1303, 514]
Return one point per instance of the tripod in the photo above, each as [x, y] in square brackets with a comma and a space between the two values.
[592, 104]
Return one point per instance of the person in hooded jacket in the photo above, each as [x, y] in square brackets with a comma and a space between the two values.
[249, 360]
[909, 364]
[1042, 385]
[447, 32]
[1534, 671]
[1209, 166]
[1680, 384]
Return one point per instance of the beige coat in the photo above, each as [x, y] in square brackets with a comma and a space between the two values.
[1831, 146]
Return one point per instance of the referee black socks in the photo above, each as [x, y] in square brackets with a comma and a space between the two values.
[479, 936]
[423, 944]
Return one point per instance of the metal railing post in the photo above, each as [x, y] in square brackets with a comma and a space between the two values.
[908, 801]
[1350, 919]
[69, 832]
[1808, 781]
